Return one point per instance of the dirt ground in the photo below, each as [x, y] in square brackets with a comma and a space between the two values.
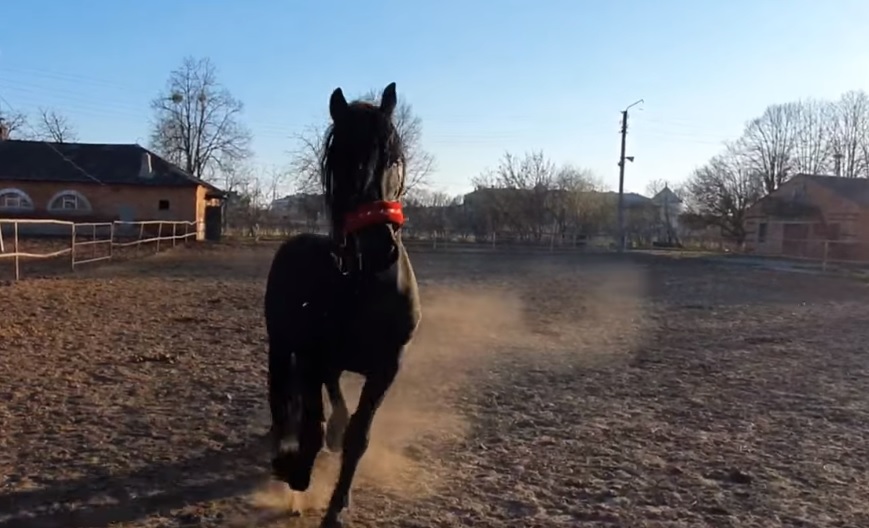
[542, 391]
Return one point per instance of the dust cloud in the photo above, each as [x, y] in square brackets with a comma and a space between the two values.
[461, 330]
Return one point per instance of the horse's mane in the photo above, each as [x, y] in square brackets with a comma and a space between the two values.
[362, 133]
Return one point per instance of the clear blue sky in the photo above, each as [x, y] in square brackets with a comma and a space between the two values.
[485, 76]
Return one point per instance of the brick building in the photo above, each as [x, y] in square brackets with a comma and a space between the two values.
[92, 182]
[811, 216]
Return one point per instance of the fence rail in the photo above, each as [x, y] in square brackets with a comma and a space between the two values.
[86, 242]
[827, 253]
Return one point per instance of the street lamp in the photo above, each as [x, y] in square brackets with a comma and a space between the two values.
[622, 158]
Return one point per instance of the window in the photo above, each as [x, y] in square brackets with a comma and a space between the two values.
[15, 200]
[761, 233]
[163, 205]
[69, 201]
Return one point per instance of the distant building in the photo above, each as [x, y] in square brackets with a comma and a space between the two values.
[670, 207]
[300, 208]
[100, 182]
[812, 216]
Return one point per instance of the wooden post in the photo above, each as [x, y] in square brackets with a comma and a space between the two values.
[15, 249]
[174, 230]
[72, 247]
[94, 240]
[111, 240]
[826, 254]
[141, 236]
[159, 234]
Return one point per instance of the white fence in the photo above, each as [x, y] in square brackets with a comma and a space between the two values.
[85, 242]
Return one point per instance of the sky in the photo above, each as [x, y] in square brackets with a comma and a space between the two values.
[485, 76]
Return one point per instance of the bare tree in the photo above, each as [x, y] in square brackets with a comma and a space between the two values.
[811, 154]
[231, 176]
[769, 143]
[15, 123]
[429, 211]
[428, 198]
[520, 191]
[850, 134]
[54, 126]
[275, 181]
[419, 163]
[305, 162]
[722, 191]
[576, 203]
[254, 210]
[197, 121]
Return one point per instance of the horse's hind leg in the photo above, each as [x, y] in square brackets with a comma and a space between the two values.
[339, 417]
[356, 442]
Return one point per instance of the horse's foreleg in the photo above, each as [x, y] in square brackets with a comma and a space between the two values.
[285, 410]
[280, 392]
[340, 416]
[356, 442]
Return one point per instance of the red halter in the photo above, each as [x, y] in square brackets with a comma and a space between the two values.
[381, 212]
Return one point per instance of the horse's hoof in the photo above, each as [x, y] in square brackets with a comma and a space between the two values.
[331, 521]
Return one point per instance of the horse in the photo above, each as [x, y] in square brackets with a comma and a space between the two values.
[343, 302]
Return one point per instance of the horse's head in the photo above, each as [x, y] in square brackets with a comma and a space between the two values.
[362, 173]
[297, 437]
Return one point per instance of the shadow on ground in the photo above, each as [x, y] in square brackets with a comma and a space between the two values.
[101, 501]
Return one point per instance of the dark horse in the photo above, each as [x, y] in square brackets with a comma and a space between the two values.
[344, 302]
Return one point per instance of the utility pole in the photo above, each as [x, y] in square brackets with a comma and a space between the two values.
[622, 158]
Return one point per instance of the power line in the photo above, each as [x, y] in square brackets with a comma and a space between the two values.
[83, 101]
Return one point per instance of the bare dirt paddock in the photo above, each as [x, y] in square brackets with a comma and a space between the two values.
[542, 391]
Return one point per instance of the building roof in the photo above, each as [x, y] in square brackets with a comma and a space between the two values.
[853, 189]
[666, 195]
[631, 198]
[106, 164]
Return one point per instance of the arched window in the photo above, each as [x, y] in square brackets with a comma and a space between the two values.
[15, 200]
[69, 201]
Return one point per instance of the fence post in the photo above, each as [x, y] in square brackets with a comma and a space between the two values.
[15, 249]
[826, 254]
[174, 231]
[111, 240]
[141, 236]
[159, 234]
[94, 240]
[72, 246]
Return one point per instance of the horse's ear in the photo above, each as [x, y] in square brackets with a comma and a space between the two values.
[388, 101]
[337, 104]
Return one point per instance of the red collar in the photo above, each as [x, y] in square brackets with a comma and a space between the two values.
[381, 212]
